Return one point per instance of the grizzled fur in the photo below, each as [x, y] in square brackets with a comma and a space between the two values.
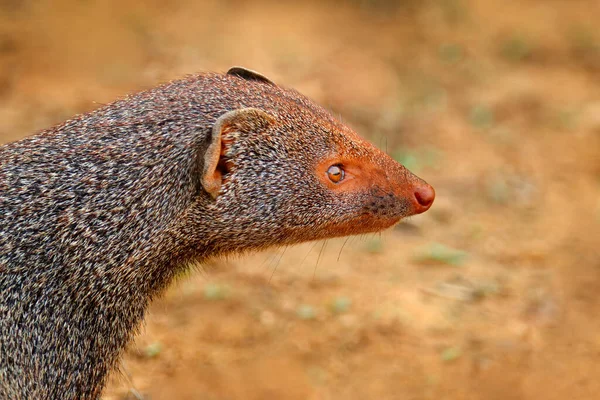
[98, 214]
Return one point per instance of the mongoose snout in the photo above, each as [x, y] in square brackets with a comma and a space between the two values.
[397, 207]
[377, 191]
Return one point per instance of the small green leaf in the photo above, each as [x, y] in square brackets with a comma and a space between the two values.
[498, 191]
[408, 159]
[516, 49]
[340, 305]
[374, 246]
[153, 350]
[451, 354]
[306, 312]
[450, 53]
[439, 253]
[481, 117]
[213, 291]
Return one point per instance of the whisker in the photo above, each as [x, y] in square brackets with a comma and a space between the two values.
[278, 261]
[318, 258]
[269, 259]
[125, 372]
[308, 253]
[343, 244]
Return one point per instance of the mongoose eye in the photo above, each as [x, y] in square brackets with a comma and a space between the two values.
[335, 173]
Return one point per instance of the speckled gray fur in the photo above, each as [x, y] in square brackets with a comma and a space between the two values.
[98, 214]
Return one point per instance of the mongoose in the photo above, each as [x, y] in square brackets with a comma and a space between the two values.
[100, 213]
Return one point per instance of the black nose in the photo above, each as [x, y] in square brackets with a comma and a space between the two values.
[424, 196]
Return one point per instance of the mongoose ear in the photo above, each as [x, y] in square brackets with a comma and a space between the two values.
[225, 132]
[249, 75]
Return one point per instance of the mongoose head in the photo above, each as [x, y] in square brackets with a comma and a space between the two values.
[280, 169]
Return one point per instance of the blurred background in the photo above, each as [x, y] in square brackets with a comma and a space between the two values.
[492, 294]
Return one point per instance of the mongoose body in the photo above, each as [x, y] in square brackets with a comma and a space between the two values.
[100, 213]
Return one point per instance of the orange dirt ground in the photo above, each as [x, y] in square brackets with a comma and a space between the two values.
[492, 294]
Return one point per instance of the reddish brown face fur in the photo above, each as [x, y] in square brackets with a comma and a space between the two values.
[389, 190]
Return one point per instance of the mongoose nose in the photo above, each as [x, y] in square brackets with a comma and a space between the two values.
[424, 194]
